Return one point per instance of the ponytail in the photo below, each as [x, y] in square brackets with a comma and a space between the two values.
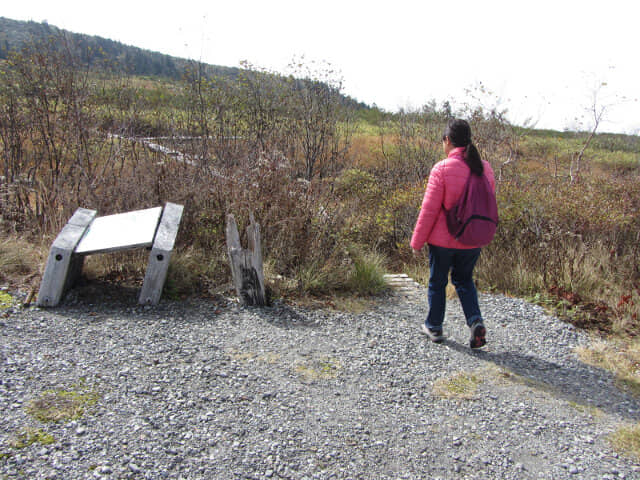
[459, 132]
[473, 160]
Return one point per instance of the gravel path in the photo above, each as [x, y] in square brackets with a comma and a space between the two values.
[206, 390]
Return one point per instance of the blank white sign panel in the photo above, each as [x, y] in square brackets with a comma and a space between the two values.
[121, 231]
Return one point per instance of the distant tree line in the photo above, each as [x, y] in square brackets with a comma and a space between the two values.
[14, 35]
[101, 52]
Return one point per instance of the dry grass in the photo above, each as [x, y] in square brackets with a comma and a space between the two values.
[461, 386]
[126, 266]
[324, 368]
[621, 357]
[578, 237]
[20, 261]
[626, 439]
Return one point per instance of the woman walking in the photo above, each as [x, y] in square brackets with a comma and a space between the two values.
[446, 184]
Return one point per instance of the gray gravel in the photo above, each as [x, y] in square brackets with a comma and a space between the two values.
[209, 390]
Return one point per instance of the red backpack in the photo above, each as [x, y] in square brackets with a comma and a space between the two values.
[474, 218]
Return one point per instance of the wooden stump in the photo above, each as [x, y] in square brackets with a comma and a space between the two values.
[246, 265]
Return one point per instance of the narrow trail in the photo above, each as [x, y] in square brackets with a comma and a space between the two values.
[210, 390]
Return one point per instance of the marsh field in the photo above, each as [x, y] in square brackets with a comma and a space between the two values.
[335, 185]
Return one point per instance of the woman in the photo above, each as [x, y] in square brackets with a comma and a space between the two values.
[446, 184]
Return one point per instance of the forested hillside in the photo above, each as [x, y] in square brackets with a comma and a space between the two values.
[14, 35]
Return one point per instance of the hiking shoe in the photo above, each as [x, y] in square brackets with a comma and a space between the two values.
[434, 335]
[478, 335]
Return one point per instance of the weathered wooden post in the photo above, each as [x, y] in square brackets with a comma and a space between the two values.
[63, 267]
[246, 265]
[158, 265]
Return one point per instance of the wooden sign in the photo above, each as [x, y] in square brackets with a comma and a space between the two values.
[85, 234]
[122, 231]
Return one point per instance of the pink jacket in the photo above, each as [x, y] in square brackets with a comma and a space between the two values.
[446, 182]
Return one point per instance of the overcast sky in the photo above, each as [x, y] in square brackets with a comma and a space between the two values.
[542, 60]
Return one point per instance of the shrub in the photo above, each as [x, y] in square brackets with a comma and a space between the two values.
[367, 274]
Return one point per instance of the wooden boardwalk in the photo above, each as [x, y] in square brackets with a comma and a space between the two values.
[404, 285]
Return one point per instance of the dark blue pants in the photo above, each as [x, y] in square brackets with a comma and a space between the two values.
[461, 263]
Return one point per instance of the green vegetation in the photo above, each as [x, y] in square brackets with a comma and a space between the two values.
[61, 405]
[29, 437]
[335, 186]
[627, 439]
[460, 386]
[325, 368]
[6, 300]
[14, 35]
[367, 275]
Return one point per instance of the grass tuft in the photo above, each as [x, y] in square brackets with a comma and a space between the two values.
[29, 437]
[626, 439]
[189, 271]
[54, 406]
[458, 386]
[367, 276]
[619, 357]
[325, 368]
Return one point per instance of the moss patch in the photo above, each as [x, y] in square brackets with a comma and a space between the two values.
[29, 437]
[325, 368]
[460, 386]
[587, 409]
[61, 405]
[6, 300]
[245, 357]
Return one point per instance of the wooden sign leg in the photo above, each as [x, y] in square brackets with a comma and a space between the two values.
[163, 244]
[63, 267]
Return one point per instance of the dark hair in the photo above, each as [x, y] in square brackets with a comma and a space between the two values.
[459, 133]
